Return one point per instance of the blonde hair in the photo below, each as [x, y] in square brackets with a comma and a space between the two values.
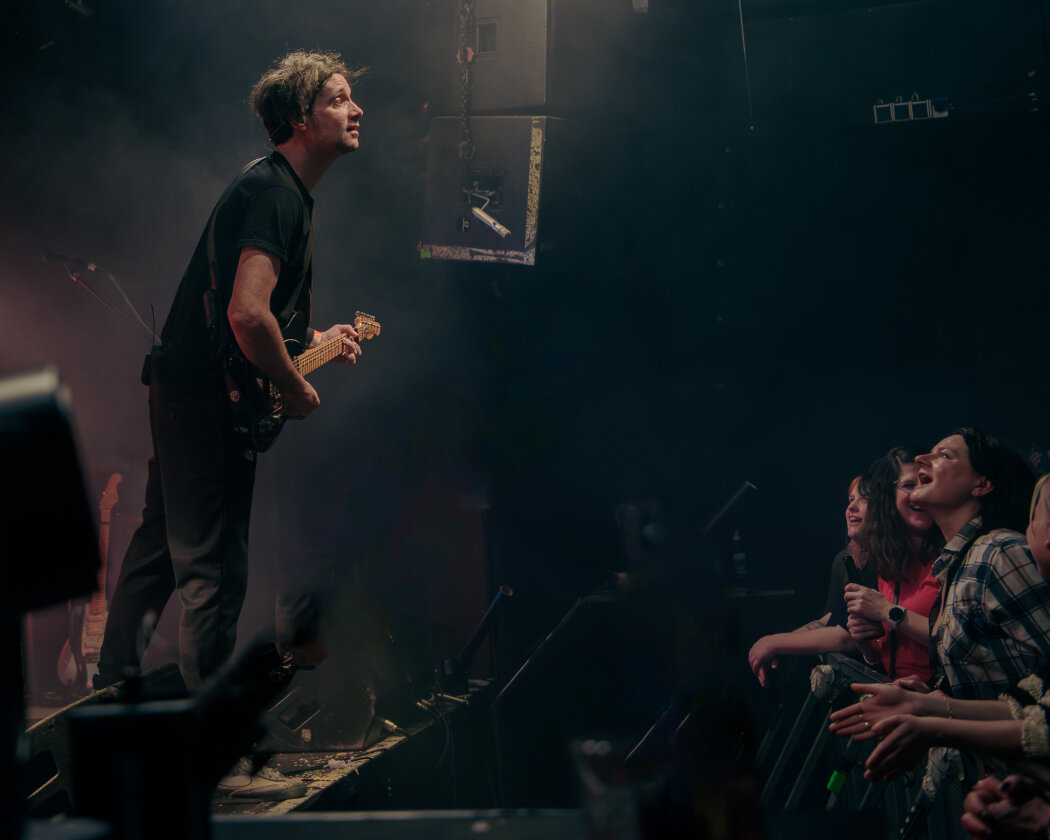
[1036, 494]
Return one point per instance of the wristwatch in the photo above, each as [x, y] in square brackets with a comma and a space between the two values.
[895, 616]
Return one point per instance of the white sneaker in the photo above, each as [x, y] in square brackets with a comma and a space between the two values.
[266, 784]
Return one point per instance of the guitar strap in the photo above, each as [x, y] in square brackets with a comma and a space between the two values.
[215, 306]
[214, 310]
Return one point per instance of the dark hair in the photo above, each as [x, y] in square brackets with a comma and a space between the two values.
[885, 535]
[286, 92]
[1007, 504]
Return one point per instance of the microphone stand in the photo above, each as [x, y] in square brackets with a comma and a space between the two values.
[454, 671]
[73, 266]
[714, 520]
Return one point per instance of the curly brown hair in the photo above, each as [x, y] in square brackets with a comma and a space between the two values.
[286, 92]
[884, 536]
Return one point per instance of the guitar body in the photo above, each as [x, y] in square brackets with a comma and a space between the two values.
[72, 669]
[256, 405]
[94, 630]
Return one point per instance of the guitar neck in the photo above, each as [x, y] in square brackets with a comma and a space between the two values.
[97, 605]
[310, 360]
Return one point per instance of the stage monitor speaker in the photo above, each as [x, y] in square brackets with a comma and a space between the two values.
[48, 765]
[50, 551]
[50, 546]
[568, 58]
[543, 186]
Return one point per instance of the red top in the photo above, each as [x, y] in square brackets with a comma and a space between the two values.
[917, 595]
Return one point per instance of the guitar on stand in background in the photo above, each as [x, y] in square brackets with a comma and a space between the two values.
[78, 661]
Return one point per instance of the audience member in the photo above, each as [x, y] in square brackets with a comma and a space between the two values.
[999, 611]
[991, 625]
[890, 625]
[1013, 727]
[829, 632]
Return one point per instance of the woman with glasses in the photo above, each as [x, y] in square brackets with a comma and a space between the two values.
[890, 625]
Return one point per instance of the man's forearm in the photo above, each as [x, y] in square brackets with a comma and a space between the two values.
[259, 337]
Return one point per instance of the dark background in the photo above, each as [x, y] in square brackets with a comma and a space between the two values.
[790, 290]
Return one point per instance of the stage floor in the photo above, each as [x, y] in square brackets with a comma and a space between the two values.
[414, 767]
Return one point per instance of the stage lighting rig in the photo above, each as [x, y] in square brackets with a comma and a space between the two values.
[911, 110]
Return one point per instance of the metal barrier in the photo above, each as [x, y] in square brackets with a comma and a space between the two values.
[815, 770]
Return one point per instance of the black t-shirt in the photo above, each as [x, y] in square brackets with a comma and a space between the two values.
[265, 207]
[843, 571]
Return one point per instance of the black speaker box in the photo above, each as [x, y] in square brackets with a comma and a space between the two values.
[48, 769]
[553, 184]
[50, 542]
[568, 58]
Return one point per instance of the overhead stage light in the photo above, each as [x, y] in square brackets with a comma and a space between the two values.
[910, 110]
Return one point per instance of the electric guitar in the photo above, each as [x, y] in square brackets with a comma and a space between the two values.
[78, 661]
[256, 405]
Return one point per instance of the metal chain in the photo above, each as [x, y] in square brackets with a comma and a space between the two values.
[465, 57]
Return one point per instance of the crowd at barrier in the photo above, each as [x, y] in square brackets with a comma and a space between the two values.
[937, 631]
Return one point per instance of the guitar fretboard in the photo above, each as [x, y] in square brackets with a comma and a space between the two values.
[310, 360]
[97, 604]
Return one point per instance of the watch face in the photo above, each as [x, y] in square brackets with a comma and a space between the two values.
[896, 614]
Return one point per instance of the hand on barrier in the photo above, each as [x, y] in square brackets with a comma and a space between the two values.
[904, 740]
[762, 657]
[914, 683]
[880, 701]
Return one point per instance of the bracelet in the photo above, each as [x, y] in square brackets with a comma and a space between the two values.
[948, 703]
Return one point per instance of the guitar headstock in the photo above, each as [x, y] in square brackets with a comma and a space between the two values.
[109, 495]
[366, 325]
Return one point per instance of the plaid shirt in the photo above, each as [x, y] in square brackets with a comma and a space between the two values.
[995, 626]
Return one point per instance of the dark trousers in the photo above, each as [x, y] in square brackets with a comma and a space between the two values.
[193, 539]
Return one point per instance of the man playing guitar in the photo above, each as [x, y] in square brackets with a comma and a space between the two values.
[250, 275]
